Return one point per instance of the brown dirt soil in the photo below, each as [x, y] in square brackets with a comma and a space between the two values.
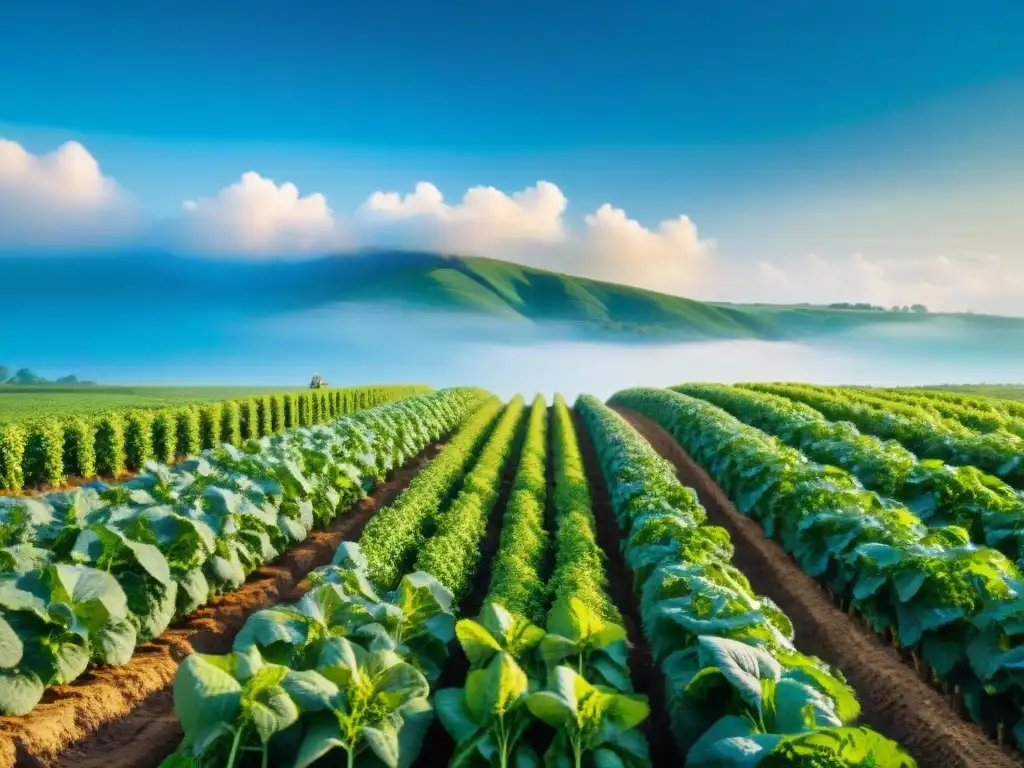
[647, 677]
[123, 717]
[438, 746]
[895, 701]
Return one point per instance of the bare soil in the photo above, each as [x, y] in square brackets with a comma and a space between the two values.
[123, 717]
[895, 701]
[647, 677]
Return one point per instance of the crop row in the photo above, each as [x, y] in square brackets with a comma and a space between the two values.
[48, 450]
[928, 435]
[999, 405]
[958, 606]
[739, 693]
[978, 416]
[571, 676]
[349, 666]
[940, 494]
[88, 574]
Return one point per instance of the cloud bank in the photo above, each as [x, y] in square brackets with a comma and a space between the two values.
[62, 199]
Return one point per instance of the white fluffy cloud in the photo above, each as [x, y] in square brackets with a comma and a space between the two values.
[62, 200]
[486, 220]
[969, 281]
[58, 199]
[256, 216]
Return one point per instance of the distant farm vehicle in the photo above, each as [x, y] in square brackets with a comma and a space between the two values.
[317, 382]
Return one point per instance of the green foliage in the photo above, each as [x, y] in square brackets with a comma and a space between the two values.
[277, 414]
[110, 455]
[230, 423]
[248, 414]
[392, 537]
[263, 426]
[517, 582]
[579, 561]
[79, 447]
[210, 421]
[44, 453]
[165, 436]
[12, 454]
[450, 555]
[157, 546]
[291, 411]
[188, 426]
[138, 439]
[727, 654]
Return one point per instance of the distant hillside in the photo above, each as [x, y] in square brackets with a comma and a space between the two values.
[167, 294]
[523, 294]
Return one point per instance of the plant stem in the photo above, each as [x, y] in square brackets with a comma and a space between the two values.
[233, 755]
[266, 757]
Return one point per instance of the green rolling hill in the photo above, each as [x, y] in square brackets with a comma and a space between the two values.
[526, 295]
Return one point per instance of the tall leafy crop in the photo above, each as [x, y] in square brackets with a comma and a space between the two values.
[138, 439]
[79, 447]
[164, 431]
[979, 416]
[958, 606]
[43, 461]
[210, 419]
[110, 444]
[12, 454]
[189, 440]
[739, 693]
[163, 542]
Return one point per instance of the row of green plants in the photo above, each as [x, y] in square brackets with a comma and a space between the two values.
[998, 405]
[346, 670]
[88, 574]
[927, 434]
[957, 607]
[48, 451]
[938, 493]
[979, 416]
[395, 534]
[570, 676]
[738, 691]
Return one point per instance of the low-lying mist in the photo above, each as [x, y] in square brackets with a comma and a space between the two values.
[354, 343]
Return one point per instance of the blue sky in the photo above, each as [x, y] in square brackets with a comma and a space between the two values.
[781, 130]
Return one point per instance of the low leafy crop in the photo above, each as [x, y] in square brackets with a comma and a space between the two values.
[739, 693]
[451, 554]
[928, 434]
[164, 541]
[395, 533]
[571, 676]
[959, 607]
[938, 493]
[517, 581]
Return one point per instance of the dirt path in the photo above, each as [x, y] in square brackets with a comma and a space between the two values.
[438, 746]
[647, 677]
[123, 717]
[895, 701]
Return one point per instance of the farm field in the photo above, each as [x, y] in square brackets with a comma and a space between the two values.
[703, 575]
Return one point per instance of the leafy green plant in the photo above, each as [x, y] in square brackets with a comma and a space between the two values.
[43, 460]
[489, 716]
[79, 447]
[138, 439]
[109, 451]
[210, 421]
[277, 414]
[189, 430]
[230, 423]
[595, 726]
[164, 436]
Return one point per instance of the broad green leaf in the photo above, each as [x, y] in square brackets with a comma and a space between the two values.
[205, 694]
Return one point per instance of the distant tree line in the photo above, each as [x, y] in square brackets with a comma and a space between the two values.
[864, 307]
[26, 376]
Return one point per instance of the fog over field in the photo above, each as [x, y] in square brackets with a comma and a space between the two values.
[355, 343]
